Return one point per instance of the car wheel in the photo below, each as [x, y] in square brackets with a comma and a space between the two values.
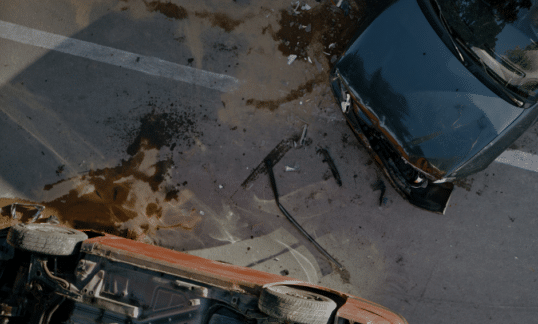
[296, 305]
[45, 238]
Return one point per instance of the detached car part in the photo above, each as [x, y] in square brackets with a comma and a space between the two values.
[269, 166]
[436, 90]
[51, 274]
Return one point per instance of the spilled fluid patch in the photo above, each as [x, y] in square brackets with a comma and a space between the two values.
[105, 198]
[294, 94]
[168, 9]
[136, 190]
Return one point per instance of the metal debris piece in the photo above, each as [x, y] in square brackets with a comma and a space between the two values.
[306, 7]
[291, 169]
[332, 45]
[339, 3]
[53, 220]
[291, 58]
[309, 60]
[36, 216]
[221, 186]
[269, 166]
[303, 136]
[327, 158]
[346, 104]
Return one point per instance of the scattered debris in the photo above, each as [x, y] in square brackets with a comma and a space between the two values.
[291, 58]
[202, 213]
[269, 166]
[221, 186]
[327, 158]
[380, 185]
[35, 217]
[306, 7]
[291, 169]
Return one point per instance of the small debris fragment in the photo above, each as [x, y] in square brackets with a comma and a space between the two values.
[332, 45]
[291, 169]
[308, 28]
[284, 272]
[346, 104]
[339, 3]
[309, 60]
[303, 135]
[327, 158]
[291, 58]
[306, 7]
[202, 213]
[277, 259]
[221, 186]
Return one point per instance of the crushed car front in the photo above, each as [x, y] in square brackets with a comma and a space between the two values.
[426, 107]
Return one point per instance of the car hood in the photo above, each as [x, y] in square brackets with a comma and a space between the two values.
[419, 93]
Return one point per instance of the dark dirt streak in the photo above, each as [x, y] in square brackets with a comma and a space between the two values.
[294, 94]
[168, 9]
[275, 155]
[160, 129]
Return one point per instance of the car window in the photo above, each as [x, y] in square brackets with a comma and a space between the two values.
[502, 36]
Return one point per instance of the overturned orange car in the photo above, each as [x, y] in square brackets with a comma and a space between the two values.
[53, 274]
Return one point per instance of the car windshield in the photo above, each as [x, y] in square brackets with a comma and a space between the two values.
[502, 36]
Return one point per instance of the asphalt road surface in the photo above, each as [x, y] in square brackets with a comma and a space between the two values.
[152, 120]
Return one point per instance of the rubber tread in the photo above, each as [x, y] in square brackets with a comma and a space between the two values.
[282, 303]
[45, 239]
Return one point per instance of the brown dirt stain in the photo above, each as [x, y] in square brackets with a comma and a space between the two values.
[294, 94]
[221, 20]
[168, 9]
[153, 209]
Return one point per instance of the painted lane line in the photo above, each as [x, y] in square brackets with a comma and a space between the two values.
[141, 63]
[519, 159]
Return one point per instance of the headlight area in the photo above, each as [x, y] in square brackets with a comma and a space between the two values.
[418, 187]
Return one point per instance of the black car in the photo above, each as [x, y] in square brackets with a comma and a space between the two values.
[436, 90]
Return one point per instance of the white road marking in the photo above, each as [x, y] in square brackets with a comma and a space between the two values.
[146, 64]
[526, 161]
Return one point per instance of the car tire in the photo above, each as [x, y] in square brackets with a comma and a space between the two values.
[296, 305]
[45, 239]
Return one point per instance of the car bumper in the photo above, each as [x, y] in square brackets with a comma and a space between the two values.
[433, 196]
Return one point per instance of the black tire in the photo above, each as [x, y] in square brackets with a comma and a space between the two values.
[295, 305]
[45, 239]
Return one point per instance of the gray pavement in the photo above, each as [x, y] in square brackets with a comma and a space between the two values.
[178, 164]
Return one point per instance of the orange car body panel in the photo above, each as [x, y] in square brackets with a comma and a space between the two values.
[227, 276]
